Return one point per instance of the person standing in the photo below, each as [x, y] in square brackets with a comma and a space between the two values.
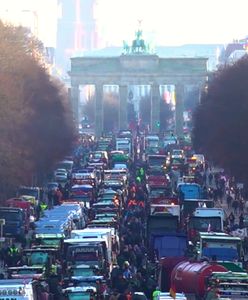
[231, 219]
[156, 293]
[229, 200]
[235, 206]
[241, 221]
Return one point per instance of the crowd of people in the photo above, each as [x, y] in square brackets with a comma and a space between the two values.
[131, 272]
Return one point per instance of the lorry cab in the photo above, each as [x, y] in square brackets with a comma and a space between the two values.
[226, 249]
[87, 251]
[99, 157]
[49, 240]
[190, 190]
[84, 293]
[205, 220]
[14, 222]
[23, 289]
[83, 193]
[233, 285]
[25, 206]
[25, 272]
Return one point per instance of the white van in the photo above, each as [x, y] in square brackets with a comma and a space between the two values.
[87, 234]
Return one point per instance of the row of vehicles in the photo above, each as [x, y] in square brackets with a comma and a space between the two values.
[185, 232]
[76, 242]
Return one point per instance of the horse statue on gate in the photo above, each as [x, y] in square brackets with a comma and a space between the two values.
[138, 45]
[126, 47]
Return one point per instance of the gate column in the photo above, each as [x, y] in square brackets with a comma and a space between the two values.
[98, 109]
[123, 94]
[155, 108]
[74, 97]
[179, 109]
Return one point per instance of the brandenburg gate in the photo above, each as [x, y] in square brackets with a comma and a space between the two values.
[136, 68]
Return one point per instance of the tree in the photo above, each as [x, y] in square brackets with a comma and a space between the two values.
[35, 121]
[220, 122]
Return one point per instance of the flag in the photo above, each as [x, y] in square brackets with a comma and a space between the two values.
[173, 292]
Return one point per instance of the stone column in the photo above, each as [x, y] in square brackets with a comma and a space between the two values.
[179, 109]
[123, 94]
[74, 98]
[199, 88]
[98, 109]
[155, 108]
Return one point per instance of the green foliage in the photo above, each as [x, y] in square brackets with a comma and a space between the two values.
[35, 122]
[221, 122]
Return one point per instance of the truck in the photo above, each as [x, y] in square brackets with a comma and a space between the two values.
[152, 144]
[205, 220]
[156, 161]
[14, 222]
[119, 158]
[190, 277]
[125, 145]
[163, 233]
[29, 191]
[233, 285]
[225, 249]
[87, 251]
[25, 206]
[189, 190]
[91, 233]
[158, 182]
[191, 197]
[24, 290]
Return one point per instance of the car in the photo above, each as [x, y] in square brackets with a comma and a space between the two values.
[167, 296]
[60, 175]
[139, 296]
[177, 154]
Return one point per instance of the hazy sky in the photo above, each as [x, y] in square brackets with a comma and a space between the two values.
[167, 22]
[176, 21]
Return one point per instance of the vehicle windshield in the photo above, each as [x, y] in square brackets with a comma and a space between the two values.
[85, 256]
[205, 223]
[29, 271]
[190, 206]
[96, 155]
[86, 272]
[50, 242]
[153, 143]
[224, 249]
[79, 296]
[64, 165]
[156, 161]
[39, 258]
[158, 193]
[176, 161]
[155, 172]
[11, 215]
[29, 192]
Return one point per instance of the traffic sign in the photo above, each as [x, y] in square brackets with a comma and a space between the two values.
[2, 239]
[2, 221]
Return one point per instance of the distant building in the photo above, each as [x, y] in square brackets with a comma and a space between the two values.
[76, 31]
[234, 51]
